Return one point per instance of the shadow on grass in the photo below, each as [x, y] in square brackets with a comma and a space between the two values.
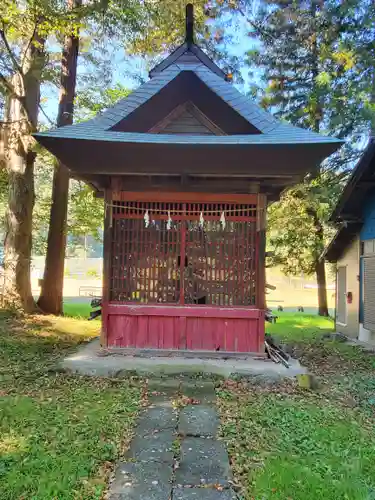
[31, 343]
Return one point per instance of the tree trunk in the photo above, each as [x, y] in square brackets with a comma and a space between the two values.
[18, 230]
[51, 296]
[320, 269]
[322, 288]
[316, 120]
[22, 114]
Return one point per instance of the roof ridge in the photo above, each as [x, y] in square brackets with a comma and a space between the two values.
[179, 52]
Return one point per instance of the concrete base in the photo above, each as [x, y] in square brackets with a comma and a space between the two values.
[89, 360]
[365, 336]
[366, 346]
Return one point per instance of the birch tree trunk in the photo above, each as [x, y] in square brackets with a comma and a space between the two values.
[51, 296]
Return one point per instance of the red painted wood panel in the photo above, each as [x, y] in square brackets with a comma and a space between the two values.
[135, 309]
[223, 329]
[185, 197]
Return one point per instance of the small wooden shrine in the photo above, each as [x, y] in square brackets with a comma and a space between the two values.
[187, 165]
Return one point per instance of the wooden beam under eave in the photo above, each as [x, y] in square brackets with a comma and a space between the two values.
[270, 188]
[184, 183]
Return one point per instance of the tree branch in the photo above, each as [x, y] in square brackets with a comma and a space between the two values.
[13, 93]
[7, 85]
[50, 121]
[255, 25]
[16, 65]
[29, 43]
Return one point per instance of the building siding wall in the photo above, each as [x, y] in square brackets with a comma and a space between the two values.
[350, 259]
[368, 228]
[366, 235]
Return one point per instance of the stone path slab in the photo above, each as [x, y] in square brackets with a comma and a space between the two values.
[139, 481]
[169, 387]
[157, 447]
[203, 462]
[175, 454]
[198, 420]
[203, 391]
[156, 419]
[203, 494]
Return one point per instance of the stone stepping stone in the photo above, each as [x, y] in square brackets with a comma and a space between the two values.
[203, 494]
[202, 390]
[168, 385]
[156, 447]
[198, 420]
[156, 419]
[136, 481]
[161, 392]
[203, 461]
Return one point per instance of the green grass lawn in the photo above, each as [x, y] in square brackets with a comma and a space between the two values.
[77, 310]
[289, 443]
[299, 327]
[59, 434]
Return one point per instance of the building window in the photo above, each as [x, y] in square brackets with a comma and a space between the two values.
[368, 247]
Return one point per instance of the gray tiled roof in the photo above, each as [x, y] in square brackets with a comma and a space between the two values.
[271, 130]
[277, 137]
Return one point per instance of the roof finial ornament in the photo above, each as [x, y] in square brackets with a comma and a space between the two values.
[189, 39]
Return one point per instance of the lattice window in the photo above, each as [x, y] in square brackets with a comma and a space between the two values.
[184, 253]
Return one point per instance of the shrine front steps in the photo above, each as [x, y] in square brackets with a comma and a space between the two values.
[91, 359]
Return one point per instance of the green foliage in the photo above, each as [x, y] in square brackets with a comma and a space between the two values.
[57, 432]
[166, 22]
[308, 66]
[31, 23]
[297, 223]
[215, 29]
[91, 101]
[86, 212]
[92, 273]
[43, 188]
[308, 58]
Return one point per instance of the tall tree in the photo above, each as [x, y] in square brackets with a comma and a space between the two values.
[292, 223]
[22, 64]
[25, 28]
[50, 300]
[306, 66]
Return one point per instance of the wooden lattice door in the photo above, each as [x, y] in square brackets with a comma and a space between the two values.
[220, 263]
[184, 253]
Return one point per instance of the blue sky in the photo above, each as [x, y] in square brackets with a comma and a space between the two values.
[129, 70]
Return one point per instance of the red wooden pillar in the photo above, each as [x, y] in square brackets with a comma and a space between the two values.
[261, 274]
[107, 244]
[182, 255]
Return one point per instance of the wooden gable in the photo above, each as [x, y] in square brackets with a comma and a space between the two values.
[186, 119]
[185, 87]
